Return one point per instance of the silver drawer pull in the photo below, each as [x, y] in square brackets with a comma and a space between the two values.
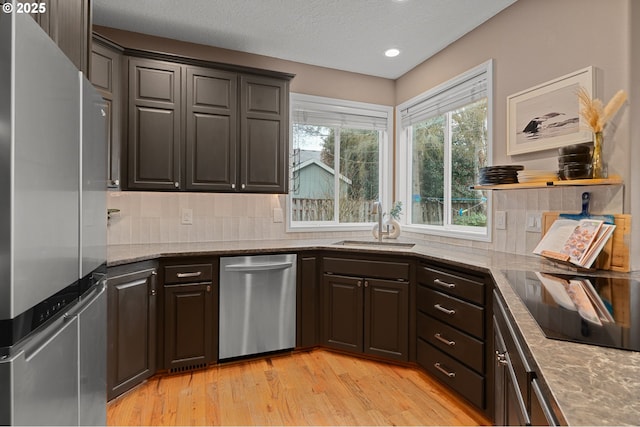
[184, 275]
[444, 284]
[444, 340]
[444, 310]
[444, 371]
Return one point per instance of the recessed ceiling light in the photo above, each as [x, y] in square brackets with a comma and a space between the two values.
[391, 52]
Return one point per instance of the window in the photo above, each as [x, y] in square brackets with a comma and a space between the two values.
[340, 158]
[444, 140]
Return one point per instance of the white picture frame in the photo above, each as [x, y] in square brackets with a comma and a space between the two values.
[547, 116]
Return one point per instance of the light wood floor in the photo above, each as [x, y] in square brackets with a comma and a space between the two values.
[306, 388]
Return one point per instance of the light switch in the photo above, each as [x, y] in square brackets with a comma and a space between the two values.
[277, 215]
[501, 220]
[533, 222]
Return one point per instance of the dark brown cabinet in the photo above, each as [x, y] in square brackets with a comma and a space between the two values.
[452, 331]
[68, 23]
[195, 128]
[366, 313]
[131, 326]
[211, 129]
[307, 298]
[190, 316]
[154, 113]
[106, 63]
[264, 134]
[519, 399]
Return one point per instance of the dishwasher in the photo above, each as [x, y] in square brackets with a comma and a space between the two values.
[257, 304]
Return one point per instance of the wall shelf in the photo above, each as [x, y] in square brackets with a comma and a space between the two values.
[614, 180]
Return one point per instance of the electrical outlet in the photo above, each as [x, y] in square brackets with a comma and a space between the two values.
[501, 220]
[186, 216]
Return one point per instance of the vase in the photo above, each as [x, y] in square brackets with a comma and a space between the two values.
[598, 170]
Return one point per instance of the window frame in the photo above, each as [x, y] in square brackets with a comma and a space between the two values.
[385, 159]
[404, 164]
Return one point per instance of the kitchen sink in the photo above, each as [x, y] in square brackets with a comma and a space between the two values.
[374, 243]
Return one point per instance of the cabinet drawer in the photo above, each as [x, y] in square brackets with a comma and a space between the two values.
[188, 273]
[453, 311]
[364, 268]
[463, 347]
[453, 284]
[452, 373]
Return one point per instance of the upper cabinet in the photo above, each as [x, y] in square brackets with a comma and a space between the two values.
[205, 128]
[106, 60]
[68, 23]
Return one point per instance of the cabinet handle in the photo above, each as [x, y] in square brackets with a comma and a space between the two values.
[444, 340]
[176, 184]
[115, 182]
[359, 283]
[233, 186]
[444, 310]
[194, 274]
[208, 288]
[444, 371]
[153, 292]
[444, 284]
[243, 186]
[501, 358]
[154, 273]
[366, 283]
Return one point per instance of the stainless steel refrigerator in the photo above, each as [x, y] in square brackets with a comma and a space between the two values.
[52, 234]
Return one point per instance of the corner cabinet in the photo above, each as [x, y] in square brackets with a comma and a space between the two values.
[131, 326]
[366, 306]
[197, 128]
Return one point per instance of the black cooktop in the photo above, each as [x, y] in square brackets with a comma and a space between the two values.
[603, 311]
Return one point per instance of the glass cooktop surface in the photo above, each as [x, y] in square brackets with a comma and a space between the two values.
[603, 311]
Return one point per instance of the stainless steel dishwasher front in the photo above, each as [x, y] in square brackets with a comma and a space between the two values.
[257, 304]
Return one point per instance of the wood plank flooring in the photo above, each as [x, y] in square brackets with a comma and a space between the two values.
[305, 388]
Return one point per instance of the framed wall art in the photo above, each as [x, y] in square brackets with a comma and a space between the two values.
[547, 116]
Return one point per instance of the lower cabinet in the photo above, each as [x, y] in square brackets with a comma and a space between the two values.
[131, 326]
[190, 315]
[452, 322]
[519, 399]
[366, 314]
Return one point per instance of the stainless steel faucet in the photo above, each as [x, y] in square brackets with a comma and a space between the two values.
[377, 209]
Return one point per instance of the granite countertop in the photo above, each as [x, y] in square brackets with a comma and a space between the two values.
[591, 385]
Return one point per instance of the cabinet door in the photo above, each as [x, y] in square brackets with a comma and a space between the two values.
[131, 330]
[68, 23]
[154, 125]
[386, 314]
[343, 312]
[188, 325]
[264, 134]
[105, 77]
[211, 129]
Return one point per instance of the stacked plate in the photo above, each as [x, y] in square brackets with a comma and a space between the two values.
[574, 162]
[506, 174]
[529, 175]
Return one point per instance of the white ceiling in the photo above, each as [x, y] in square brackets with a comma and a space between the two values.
[349, 35]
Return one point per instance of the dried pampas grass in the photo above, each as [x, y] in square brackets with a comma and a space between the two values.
[592, 111]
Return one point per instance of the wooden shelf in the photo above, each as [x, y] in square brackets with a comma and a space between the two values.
[615, 180]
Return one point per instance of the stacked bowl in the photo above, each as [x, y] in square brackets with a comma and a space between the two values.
[574, 162]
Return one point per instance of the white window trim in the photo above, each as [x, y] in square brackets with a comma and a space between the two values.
[404, 161]
[385, 160]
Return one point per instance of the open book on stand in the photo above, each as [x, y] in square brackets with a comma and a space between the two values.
[578, 242]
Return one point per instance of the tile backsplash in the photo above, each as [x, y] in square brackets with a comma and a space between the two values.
[155, 217]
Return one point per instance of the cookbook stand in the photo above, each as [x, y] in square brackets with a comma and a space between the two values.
[614, 255]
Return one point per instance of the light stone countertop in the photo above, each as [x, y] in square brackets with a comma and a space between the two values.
[591, 385]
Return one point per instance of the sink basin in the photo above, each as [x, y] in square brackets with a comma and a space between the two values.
[374, 243]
